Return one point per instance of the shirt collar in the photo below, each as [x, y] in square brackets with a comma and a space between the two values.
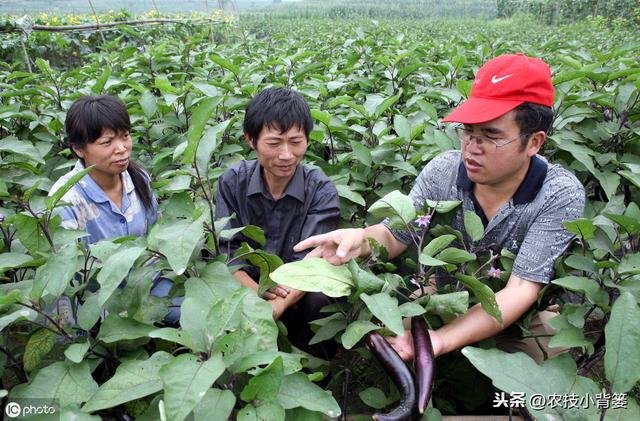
[295, 188]
[255, 182]
[528, 189]
[94, 191]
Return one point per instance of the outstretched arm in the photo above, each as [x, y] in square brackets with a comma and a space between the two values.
[476, 324]
[340, 246]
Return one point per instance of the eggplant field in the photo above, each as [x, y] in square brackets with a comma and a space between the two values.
[85, 335]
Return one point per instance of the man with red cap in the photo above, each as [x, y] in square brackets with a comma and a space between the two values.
[521, 199]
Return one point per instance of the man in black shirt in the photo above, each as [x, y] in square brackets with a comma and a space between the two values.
[288, 200]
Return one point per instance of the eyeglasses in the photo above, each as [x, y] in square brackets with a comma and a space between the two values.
[465, 135]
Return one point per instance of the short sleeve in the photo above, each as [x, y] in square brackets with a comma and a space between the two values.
[547, 238]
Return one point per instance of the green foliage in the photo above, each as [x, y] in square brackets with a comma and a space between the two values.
[376, 90]
[39, 345]
[64, 382]
[52, 277]
[386, 309]
[553, 12]
[177, 241]
[132, 380]
[378, 9]
[519, 373]
[114, 270]
[186, 381]
[620, 362]
[397, 207]
[315, 275]
[298, 391]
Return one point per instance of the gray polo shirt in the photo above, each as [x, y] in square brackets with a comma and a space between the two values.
[310, 205]
[529, 225]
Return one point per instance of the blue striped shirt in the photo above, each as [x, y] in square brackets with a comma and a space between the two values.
[92, 211]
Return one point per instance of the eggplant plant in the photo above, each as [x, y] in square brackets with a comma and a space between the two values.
[377, 90]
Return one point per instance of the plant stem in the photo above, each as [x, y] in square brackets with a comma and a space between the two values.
[26, 56]
[95, 15]
[209, 200]
[588, 313]
[592, 361]
[333, 150]
[43, 326]
[239, 257]
[406, 153]
[20, 371]
[9, 355]
[345, 393]
[604, 408]
[6, 238]
[43, 227]
[38, 310]
[418, 244]
[100, 354]
[545, 356]
[491, 260]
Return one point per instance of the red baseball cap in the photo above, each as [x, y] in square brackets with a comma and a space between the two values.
[502, 84]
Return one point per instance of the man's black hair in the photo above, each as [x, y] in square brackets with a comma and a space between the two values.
[88, 117]
[532, 118]
[279, 108]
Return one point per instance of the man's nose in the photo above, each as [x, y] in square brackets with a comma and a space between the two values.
[285, 152]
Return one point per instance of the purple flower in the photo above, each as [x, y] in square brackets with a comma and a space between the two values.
[1, 218]
[494, 272]
[423, 220]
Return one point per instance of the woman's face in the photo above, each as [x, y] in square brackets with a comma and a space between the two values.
[109, 153]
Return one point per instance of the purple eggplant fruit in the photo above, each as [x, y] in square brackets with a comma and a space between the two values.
[400, 374]
[425, 361]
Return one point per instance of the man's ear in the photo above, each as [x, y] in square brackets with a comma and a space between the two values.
[78, 151]
[249, 140]
[536, 140]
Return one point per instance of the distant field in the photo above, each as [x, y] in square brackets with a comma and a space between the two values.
[18, 7]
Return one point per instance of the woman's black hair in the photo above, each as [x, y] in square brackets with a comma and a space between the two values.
[88, 117]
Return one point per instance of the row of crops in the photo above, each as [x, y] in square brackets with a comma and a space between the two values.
[549, 11]
[377, 90]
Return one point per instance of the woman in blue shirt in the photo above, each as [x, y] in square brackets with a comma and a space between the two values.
[115, 199]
